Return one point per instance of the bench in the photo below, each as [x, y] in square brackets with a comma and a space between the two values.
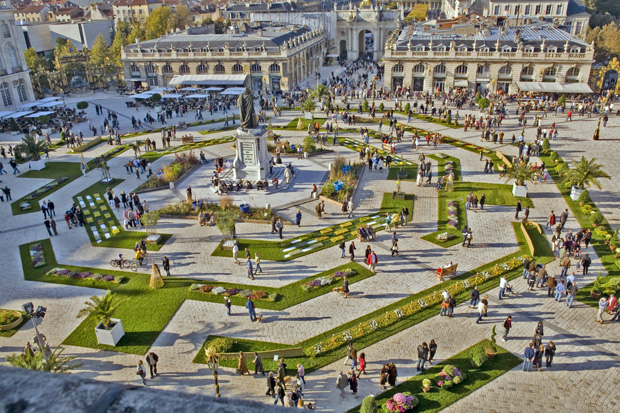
[445, 271]
[187, 139]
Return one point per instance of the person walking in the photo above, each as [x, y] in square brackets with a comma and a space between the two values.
[372, 260]
[563, 219]
[227, 304]
[257, 262]
[550, 220]
[341, 383]
[551, 283]
[345, 287]
[482, 309]
[251, 309]
[585, 263]
[549, 354]
[48, 226]
[298, 218]
[503, 284]
[538, 355]
[432, 349]
[242, 364]
[140, 371]
[565, 266]
[343, 248]
[250, 269]
[152, 360]
[279, 226]
[528, 356]
[602, 306]
[274, 220]
[166, 265]
[301, 373]
[518, 209]
[53, 224]
[7, 193]
[483, 200]
[352, 381]
[352, 250]
[280, 394]
[474, 297]
[235, 251]
[571, 292]
[507, 326]
[362, 363]
[188, 191]
[422, 356]
[271, 385]
[559, 290]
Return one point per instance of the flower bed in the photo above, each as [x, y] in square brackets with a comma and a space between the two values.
[453, 215]
[450, 376]
[401, 402]
[327, 280]
[362, 329]
[36, 254]
[444, 237]
[41, 192]
[229, 292]
[177, 168]
[185, 209]
[81, 275]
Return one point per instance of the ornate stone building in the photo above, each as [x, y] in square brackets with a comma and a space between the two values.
[277, 58]
[496, 58]
[15, 85]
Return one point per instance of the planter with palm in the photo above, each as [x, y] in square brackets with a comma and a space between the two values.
[520, 174]
[108, 330]
[31, 148]
[308, 106]
[55, 363]
[585, 173]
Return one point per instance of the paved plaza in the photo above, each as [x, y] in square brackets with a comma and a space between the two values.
[587, 361]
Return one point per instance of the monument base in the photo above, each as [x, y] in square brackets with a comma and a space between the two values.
[252, 157]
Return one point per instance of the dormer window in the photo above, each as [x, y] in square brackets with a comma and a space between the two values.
[529, 49]
[552, 50]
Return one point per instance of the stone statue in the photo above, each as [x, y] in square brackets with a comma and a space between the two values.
[245, 102]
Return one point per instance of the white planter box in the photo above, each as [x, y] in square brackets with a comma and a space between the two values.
[110, 337]
[309, 115]
[37, 165]
[519, 190]
[575, 193]
[157, 109]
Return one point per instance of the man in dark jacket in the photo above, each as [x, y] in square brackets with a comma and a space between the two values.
[528, 356]
[585, 263]
[507, 327]
[152, 360]
[475, 297]
[422, 356]
[271, 385]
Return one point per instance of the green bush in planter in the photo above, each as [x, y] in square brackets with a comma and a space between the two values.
[369, 405]
[365, 105]
[478, 356]
[449, 119]
[82, 105]
[407, 107]
[309, 145]
[13, 125]
[553, 155]
[381, 107]
[156, 98]
[546, 145]
[597, 218]
[584, 198]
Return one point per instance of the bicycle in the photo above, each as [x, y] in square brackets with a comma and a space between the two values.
[120, 263]
[134, 265]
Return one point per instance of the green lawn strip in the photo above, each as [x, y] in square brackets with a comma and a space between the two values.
[158, 153]
[325, 238]
[292, 125]
[428, 118]
[142, 320]
[437, 399]
[25, 319]
[223, 129]
[89, 145]
[410, 170]
[391, 205]
[606, 256]
[52, 170]
[112, 153]
[123, 239]
[240, 344]
[358, 145]
[372, 337]
[146, 132]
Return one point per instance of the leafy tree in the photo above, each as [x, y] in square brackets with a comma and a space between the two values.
[138, 31]
[31, 147]
[519, 173]
[206, 21]
[392, 5]
[120, 40]
[101, 308]
[309, 105]
[220, 26]
[484, 103]
[182, 17]
[35, 62]
[606, 42]
[82, 105]
[156, 97]
[123, 27]
[418, 12]
[562, 99]
[36, 361]
[319, 92]
[100, 53]
[586, 173]
[159, 22]
[365, 105]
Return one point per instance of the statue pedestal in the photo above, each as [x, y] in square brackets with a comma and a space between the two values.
[252, 156]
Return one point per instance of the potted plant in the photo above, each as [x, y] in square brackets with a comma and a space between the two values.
[520, 174]
[156, 99]
[308, 106]
[584, 198]
[478, 356]
[585, 173]
[426, 385]
[491, 348]
[401, 402]
[108, 330]
[597, 219]
[596, 289]
[369, 405]
[14, 127]
[31, 149]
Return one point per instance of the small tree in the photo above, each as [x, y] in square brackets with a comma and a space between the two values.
[369, 405]
[407, 107]
[31, 147]
[584, 174]
[309, 105]
[365, 105]
[562, 100]
[44, 120]
[36, 361]
[63, 135]
[150, 220]
[381, 106]
[82, 105]
[520, 173]
[13, 125]
[156, 97]
[309, 145]
[484, 103]
[225, 223]
[157, 280]
[101, 308]
[546, 145]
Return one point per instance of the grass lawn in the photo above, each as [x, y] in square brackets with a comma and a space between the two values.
[389, 204]
[89, 145]
[427, 118]
[240, 344]
[142, 319]
[118, 236]
[292, 125]
[11, 332]
[53, 170]
[312, 363]
[158, 153]
[437, 399]
[411, 171]
[112, 153]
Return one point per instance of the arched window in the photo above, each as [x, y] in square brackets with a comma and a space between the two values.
[219, 69]
[550, 72]
[256, 68]
[201, 69]
[482, 70]
[527, 71]
[572, 72]
[22, 91]
[398, 68]
[167, 69]
[419, 68]
[505, 70]
[461, 70]
[184, 70]
[135, 68]
[274, 68]
[5, 92]
[13, 60]
[237, 68]
[150, 69]
[440, 69]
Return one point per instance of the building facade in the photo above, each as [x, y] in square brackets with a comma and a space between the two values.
[277, 58]
[493, 59]
[15, 85]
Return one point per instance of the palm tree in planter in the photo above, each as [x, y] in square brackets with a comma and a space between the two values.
[585, 173]
[319, 92]
[55, 363]
[308, 106]
[520, 174]
[108, 330]
[31, 148]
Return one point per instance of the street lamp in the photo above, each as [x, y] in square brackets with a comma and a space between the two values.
[213, 362]
[597, 131]
[39, 313]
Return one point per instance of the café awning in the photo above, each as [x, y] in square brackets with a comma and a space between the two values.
[209, 80]
[19, 114]
[44, 113]
[197, 96]
[172, 96]
[190, 89]
[233, 91]
[553, 87]
[461, 83]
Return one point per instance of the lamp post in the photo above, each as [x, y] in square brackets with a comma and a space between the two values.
[39, 313]
[213, 362]
[597, 131]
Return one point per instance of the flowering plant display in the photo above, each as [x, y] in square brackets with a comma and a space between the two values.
[210, 289]
[81, 275]
[327, 280]
[449, 376]
[36, 255]
[406, 310]
[453, 217]
[401, 402]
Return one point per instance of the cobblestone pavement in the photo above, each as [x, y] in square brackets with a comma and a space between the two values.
[587, 351]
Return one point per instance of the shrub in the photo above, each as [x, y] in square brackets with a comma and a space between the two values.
[597, 218]
[562, 100]
[274, 296]
[82, 105]
[13, 125]
[546, 145]
[365, 105]
[477, 97]
[553, 155]
[407, 107]
[369, 405]
[584, 198]
[44, 120]
[449, 119]
[484, 103]
[309, 145]
[221, 344]
[156, 97]
[478, 356]
[446, 384]
[381, 106]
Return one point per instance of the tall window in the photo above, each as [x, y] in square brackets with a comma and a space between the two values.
[558, 10]
[461, 70]
[527, 10]
[150, 69]
[418, 68]
[220, 69]
[237, 68]
[7, 100]
[22, 92]
[573, 72]
[12, 56]
[548, 10]
[482, 69]
[167, 69]
[201, 69]
[505, 70]
[256, 68]
[398, 68]
[6, 31]
[184, 70]
[274, 68]
[441, 69]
